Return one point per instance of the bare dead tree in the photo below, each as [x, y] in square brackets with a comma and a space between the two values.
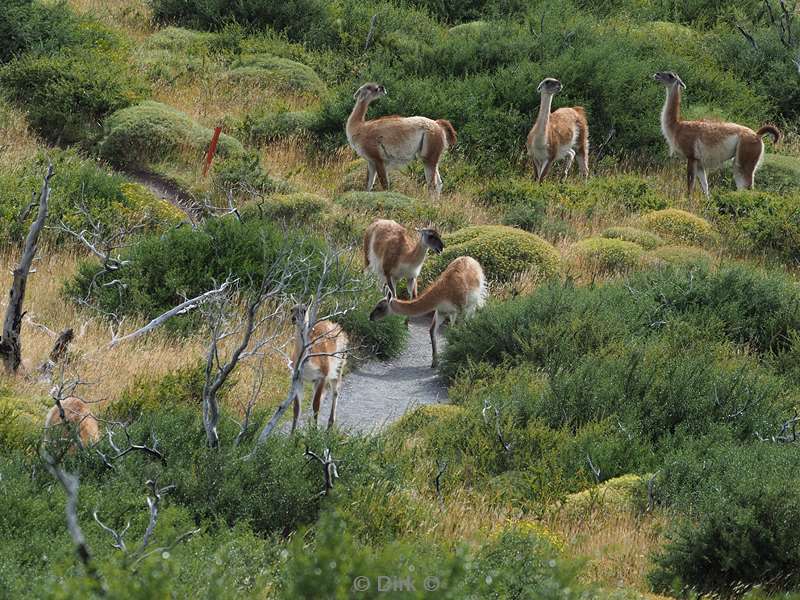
[10, 342]
[329, 469]
[255, 392]
[153, 505]
[371, 33]
[108, 460]
[595, 470]
[57, 354]
[334, 295]
[786, 434]
[498, 430]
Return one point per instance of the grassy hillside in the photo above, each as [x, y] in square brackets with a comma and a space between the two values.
[622, 412]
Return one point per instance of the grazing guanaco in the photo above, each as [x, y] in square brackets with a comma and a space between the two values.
[392, 253]
[393, 142]
[77, 412]
[458, 291]
[558, 134]
[327, 354]
[708, 144]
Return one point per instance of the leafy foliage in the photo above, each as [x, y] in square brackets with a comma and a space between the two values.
[605, 255]
[678, 226]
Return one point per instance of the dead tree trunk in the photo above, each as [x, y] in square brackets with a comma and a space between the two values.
[10, 342]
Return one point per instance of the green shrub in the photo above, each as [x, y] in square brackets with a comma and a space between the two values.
[20, 426]
[31, 26]
[183, 387]
[274, 126]
[383, 339]
[68, 93]
[165, 269]
[311, 21]
[760, 223]
[503, 252]
[529, 217]
[171, 54]
[300, 208]
[604, 255]
[279, 73]
[243, 171]
[733, 504]
[111, 201]
[678, 226]
[403, 209]
[779, 174]
[683, 256]
[508, 192]
[645, 239]
[149, 133]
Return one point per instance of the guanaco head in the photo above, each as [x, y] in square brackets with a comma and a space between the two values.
[432, 239]
[299, 314]
[370, 92]
[382, 309]
[669, 79]
[550, 86]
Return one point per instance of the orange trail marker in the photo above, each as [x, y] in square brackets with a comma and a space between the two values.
[212, 149]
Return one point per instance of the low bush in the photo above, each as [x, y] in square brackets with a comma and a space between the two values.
[164, 269]
[604, 255]
[274, 126]
[503, 252]
[733, 504]
[684, 256]
[77, 184]
[243, 171]
[282, 74]
[172, 54]
[779, 174]
[403, 209]
[21, 425]
[645, 239]
[529, 217]
[298, 209]
[68, 93]
[679, 226]
[382, 339]
[183, 387]
[760, 223]
[511, 192]
[149, 133]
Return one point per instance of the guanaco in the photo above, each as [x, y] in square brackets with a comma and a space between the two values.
[326, 357]
[706, 145]
[392, 142]
[77, 412]
[457, 292]
[392, 253]
[558, 134]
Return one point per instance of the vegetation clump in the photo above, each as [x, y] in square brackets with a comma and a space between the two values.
[503, 252]
[645, 239]
[282, 74]
[605, 255]
[150, 133]
[679, 226]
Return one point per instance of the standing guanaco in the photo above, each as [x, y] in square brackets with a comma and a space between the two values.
[392, 253]
[392, 142]
[556, 135]
[326, 357]
[458, 291]
[708, 144]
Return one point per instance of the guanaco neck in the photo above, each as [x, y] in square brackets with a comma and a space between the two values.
[419, 252]
[357, 116]
[543, 119]
[671, 113]
[423, 305]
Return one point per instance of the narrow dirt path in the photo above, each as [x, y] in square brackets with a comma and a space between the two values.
[167, 190]
[378, 393]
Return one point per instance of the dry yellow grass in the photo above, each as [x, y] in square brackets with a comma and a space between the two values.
[617, 544]
[17, 142]
[110, 371]
[134, 17]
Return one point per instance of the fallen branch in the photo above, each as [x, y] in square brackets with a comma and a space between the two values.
[328, 468]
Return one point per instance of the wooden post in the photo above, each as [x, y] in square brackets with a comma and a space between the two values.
[212, 149]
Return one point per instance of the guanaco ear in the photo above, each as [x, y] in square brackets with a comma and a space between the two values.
[680, 81]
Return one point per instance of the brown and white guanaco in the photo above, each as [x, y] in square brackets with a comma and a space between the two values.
[77, 412]
[457, 292]
[326, 357]
[708, 144]
[558, 134]
[392, 253]
[392, 142]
